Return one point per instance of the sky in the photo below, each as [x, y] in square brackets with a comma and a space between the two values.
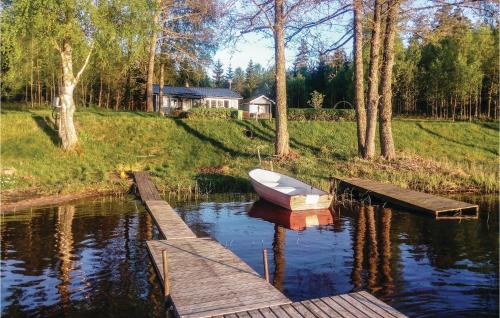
[252, 47]
[260, 49]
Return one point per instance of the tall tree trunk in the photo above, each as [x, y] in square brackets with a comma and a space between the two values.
[373, 96]
[490, 91]
[386, 140]
[67, 131]
[282, 146]
[100, 93]
[359, 90]
[108, 96]
[151, 63]
[118, 98]
[38, 83]
[162, 76]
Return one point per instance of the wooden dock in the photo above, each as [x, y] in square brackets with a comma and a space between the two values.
[441, 208]
[208, 280]
[353, 305]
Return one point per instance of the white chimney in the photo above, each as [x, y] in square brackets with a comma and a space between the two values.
[230, 82]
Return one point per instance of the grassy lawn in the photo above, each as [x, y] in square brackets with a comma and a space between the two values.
[215, 155]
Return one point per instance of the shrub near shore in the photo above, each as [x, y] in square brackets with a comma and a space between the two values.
[214, 155]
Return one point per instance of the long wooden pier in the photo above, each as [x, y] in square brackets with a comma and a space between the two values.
[208, 280]
[441, 208]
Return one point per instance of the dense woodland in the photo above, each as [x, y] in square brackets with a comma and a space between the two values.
[446, 69]
[445, 66]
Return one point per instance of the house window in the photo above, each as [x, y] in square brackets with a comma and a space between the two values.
[226, 104]
[214, 103]
[220, 103]
[207, 103]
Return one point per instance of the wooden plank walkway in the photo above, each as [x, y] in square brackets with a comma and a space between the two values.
[353, 305]
[169, 223]
[207, 279]
[147, 189]
[441, 208]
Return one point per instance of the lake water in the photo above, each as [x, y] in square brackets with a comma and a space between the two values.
[90, 259]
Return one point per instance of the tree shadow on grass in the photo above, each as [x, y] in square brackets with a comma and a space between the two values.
[256, 132]
[263, 135]
[431, 132]
[43, 124]
[221, 183]
[112, 113]
[294, 142]
[212, 141]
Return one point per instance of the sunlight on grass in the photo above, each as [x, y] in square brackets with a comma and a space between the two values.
[215, 155]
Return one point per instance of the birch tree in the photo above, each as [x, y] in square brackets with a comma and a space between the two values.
[63, 25]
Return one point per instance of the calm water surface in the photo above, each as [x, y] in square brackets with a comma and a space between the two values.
[82, 260]
[423, 267]
[89, 258]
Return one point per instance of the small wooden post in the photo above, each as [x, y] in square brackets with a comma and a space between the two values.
[166, 285]
[258, 154]
[272, 168]
[266, 267]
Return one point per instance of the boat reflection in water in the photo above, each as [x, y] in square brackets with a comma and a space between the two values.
[292, 220]
[286, 219]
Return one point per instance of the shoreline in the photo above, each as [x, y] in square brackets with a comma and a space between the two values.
[56, 199]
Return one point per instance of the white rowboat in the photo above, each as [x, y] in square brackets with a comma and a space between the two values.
[288, 192]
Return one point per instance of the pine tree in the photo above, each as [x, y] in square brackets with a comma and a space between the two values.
[218, 76]
[229, 75]
[251, 79]
[239, 80]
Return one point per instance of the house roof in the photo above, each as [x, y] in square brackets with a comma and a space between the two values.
[251, 99]
[197, 92]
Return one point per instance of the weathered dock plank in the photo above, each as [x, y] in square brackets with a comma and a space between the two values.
[417, 201]
[169, 223]
[147, 189]
[353, 305]
[206, 279]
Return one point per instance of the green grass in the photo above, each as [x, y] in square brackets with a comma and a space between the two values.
[215, 155]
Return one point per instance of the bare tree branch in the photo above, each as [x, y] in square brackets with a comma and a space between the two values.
[79, 74]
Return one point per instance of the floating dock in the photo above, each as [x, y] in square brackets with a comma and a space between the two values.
[441, 208]
[206, 279]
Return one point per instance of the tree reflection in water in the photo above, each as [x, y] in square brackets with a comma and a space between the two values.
[378, 250]
[279, 257]
[64, 232]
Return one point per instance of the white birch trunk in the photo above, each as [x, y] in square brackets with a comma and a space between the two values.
[67, 130]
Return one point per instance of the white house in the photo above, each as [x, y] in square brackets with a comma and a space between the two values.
[185, 98]
[259, 106]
